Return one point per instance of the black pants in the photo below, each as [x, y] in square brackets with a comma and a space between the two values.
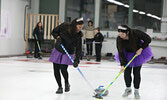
[63, 68]
[137, 77]
[98, 51]
[89, 45]
[36, 53]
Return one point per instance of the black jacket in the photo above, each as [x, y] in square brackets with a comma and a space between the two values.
[98, 38]
[142, 40]
[72, 43]
[39, 33]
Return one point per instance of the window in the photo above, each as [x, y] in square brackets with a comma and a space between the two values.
[113, 13]
[80, 8]
[147, 14]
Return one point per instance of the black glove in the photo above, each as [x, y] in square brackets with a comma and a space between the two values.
[75, 64]
[58, 45]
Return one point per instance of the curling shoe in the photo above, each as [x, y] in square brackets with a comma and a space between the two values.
[136, 94]
[127, 92]
[59, 90]
[67, 87]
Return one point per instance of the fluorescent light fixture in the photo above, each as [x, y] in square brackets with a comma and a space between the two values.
[156, 17]
[127, 6]
[153, 16]
[141, 12]
[159, 18]
[135, 11]
[149, 14]
[116, 2]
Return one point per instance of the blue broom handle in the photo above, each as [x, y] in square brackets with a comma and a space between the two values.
[77, 67]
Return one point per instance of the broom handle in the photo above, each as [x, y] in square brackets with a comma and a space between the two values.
[38, 43]
[118, 75]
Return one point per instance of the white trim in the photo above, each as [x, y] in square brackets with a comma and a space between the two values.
[80, 19]
[122, 28]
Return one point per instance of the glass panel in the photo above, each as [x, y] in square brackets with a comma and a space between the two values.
[80, 8]
[147, 14]
[48, 6]
[114, 13]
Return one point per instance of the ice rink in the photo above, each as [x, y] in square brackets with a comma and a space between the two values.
[24, 78]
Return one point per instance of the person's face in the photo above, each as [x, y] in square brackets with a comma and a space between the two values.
[40, 24]
[79, 27]
[96, 31]
[90, 24]
[122, 35]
